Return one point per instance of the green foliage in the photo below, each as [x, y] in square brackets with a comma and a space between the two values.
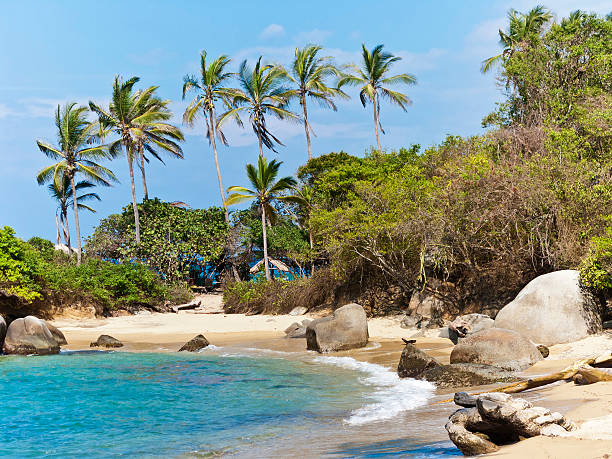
[172, 237]
[19, 268]
[596, 270]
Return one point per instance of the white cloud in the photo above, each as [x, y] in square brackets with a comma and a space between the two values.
[5, 111]
[272, 31]
[315, 36]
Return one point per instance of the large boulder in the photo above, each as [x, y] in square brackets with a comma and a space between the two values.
[297, 330]
[468, 324]
[552, 309]
[466, 375]
[414, 362]
[501, 348]
[57, 334]
[498, 419]
[29, 335]
[2, 331]
[346, 328]
[106, 341]
[195, 344]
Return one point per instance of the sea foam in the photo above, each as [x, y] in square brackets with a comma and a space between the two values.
[391, 396]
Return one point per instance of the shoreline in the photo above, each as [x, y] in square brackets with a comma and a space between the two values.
[157, 332]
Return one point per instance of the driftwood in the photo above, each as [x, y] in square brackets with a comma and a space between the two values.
[582, 369]
[184, 307]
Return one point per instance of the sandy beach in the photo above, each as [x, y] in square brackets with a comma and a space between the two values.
[589, 406]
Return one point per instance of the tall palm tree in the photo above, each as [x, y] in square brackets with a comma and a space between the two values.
[521, 28]
[262, 93]
[373, 77]
[75, 155]
[62, 193]
[264, 190]
[209, 89]
[308, 73]
[127, 114]
[155, 136]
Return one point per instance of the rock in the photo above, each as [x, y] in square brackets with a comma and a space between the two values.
[411, 321]
[106, 341]
[437, 322]
[298, 311]
[544, 351]
[499, 419]
[425, 304]
[501, 348]
[30, 336]
[466, 375]
[195, 344]
[2, 331]
[346, 328]
[552, 309]
[297, 330]
[414, 362]
[468, 324]
[58, 335]
[464, 399]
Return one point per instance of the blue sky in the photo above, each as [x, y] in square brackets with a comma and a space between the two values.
[58, 51]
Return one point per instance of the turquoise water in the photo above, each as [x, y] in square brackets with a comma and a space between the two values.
[101, 404]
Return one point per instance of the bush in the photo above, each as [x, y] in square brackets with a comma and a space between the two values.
[19, 267]
[596, 270]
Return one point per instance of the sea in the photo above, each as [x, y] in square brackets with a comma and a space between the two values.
[221, 402]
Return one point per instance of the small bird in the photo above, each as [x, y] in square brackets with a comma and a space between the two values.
[409, 341]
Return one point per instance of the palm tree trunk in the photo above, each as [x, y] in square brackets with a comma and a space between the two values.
[76, 219]
[59, 241]
[376, 123]
[130, 159]
[265, 241]
[312, 264]
[214, 146]
[66, 228]
[260, 146]
[142, 168]
[306, 126]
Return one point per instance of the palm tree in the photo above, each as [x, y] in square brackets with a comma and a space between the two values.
[154, 135]
[262, 93]
[373, 78]
[128, 112]
[265, 191]
[304, 198]
[75, 155]
[209, 89]
[308, 74]
[522, 27]
[62, 193]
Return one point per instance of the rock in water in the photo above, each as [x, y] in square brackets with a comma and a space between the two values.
[30, 336]
[504, 349]
[195, 344]
[499, 419]
[106, 341]
[468, 324]
[58, 335]
[2, 331]
[414, 362]
[552, 309]
[346, 328]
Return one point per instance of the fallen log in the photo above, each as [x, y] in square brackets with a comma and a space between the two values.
[186, 306]
[590, 375]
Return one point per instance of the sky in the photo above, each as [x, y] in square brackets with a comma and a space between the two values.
[53, 52]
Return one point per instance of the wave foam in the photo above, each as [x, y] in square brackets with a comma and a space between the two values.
[392, 395]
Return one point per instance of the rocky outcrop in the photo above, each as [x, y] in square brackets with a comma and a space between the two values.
[501, 348]
[297, 330]
[495, 419]
[106, 341]
[552, 309]
[346, 328]
[2, 331]
[468, 324]
[29, 335]
[414, 362]
[466, 375]
[57, 334]
[195, 344]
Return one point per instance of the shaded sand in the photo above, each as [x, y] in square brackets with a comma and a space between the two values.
[589, 406]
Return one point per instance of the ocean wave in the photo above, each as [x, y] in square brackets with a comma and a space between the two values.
[392, 395]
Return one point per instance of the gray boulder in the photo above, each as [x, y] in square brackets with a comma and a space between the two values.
[468, 324]
[466, 375]
[297, 330]
[57, 334]
[414, 362]
[501, 348]
[195, 344]
[29, 335]
[2, 331]
[552, 309]
[106, 341]
[298, 311]
[499, 419]
[346, 328]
